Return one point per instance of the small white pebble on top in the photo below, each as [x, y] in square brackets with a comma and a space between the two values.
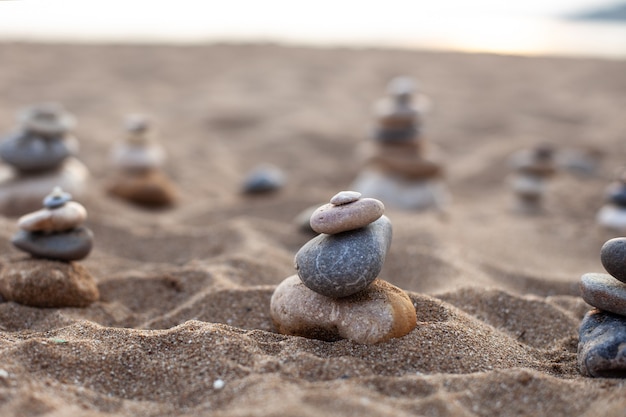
[345, 197]
[218, 384]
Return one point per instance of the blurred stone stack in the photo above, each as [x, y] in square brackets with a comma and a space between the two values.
[399, 166]
[612, 215]
[39, 156]
[532, 169]
[138, 161]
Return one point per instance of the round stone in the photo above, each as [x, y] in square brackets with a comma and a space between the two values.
[343, 264]
[345, 197]
[67, 246]
[395, 135]
[149, 188]
[613, 257]
[604, 292]
[264, 179]
[602, 345]
[28, 152]
[379, 313]
[60, 219]
[616, 194]
[56, 198]
[332, 219]
[43, 283]
[48, 119]
[129, 155]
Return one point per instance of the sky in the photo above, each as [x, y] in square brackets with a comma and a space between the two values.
[489, 25]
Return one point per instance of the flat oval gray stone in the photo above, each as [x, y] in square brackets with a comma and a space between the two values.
[602, 345]
[604, 292]
[345, 263]
[67, 246]
[613, 257]
[30, 153]
[264, 179]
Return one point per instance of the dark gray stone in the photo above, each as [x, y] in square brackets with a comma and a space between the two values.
[616, 194]
[604, 292]
[264, 180]
[613, 257]
[56, 199]
[27, 152]
[67, 246]
[602, 345]
[345, 263]
[395, 135]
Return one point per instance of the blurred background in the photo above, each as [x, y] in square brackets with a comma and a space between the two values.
[534, 27]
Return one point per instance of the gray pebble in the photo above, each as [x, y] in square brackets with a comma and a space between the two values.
[343, 264]
[263, 180]
[395, 135]
[613, 257]
[56, 198]
[67, 246]
[602, 345]
[345, 197]
[31, 153]
[604, 292]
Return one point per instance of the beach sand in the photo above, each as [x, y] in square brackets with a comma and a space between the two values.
[185, 292]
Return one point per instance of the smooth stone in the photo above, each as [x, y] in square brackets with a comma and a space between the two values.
[602, 345]
[332, 219]
[56, 199]
[379, 313]
[401, 85]
[616, 194]
[411, 160]
[149, 188]
[604, 292]
[526, 161]
[22, 194]
[613, 257]
[345, 197]
[393, 114]
[393, 135]
[343, 264]
[66, 246]
[612, 217]
[137, 156]
[48, 119]
[264, 180]
[28, 153]
[44, 283]
[398, 192]
[528, 187]
[66, 217]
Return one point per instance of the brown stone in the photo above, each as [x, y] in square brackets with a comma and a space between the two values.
[148, 188]
[66, 217]
[46, 283]
[376, 314]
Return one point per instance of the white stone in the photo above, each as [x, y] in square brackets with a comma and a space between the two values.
[126, 155]
[612, 217]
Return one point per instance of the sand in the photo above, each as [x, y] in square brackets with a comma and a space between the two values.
[185, 291]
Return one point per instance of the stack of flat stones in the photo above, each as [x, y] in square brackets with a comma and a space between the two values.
[138, 160]
[532, 169]
[39, 155]
[602, 341]
[336, 293]
[612, 215]
[399, 166]
[55, 237]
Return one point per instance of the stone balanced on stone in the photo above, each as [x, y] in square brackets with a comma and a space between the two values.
[612, 215]
[337, 293]
[55, 237]
[399, 166]
[138, 161]
[39, 155]
[532, 168]
[602, 341]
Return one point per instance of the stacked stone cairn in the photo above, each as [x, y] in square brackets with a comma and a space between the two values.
[55, 237]
[612, 215]
[138, 160]
[532, 169]
[602, 339]
[399, 166]
[39, 155]
[337, 293]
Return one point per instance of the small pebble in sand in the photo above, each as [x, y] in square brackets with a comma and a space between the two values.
[218, 384]
[332, 218]
[613, 257]
[343, 264]
[264, 179]
[55, 233]
[379, 313]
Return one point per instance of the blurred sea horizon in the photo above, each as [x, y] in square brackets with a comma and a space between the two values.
[580, 28]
